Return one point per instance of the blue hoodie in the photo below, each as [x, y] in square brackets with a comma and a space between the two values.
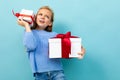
[36, 44]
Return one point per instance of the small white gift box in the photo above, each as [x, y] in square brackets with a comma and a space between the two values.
[27, 15]
[55, 50]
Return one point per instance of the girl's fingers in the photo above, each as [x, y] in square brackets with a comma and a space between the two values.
[81, 54]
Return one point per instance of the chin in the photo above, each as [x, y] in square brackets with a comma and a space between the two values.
[42, 26]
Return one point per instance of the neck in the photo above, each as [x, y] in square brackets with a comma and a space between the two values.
[38, 28]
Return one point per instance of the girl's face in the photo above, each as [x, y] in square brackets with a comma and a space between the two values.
[43, 19]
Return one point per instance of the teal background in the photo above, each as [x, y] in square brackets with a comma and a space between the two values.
[97, 22]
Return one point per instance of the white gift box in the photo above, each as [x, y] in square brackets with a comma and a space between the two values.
[27, 15]
[55, 50]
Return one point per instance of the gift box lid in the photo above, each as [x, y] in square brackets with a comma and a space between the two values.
[55, 40]
[28, 12]
[75, 39]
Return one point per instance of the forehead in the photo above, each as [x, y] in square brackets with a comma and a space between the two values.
[45, 11]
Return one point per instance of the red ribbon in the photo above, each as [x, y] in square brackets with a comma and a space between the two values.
[18, 14]
[66, 43]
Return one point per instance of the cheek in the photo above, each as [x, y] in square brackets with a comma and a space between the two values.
[48, 21]
[37, 19]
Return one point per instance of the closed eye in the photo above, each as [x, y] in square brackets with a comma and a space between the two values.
[47, 16]
[40, 14]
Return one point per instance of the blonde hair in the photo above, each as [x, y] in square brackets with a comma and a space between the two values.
[48, 28]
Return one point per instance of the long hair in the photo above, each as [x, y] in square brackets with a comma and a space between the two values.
[48, 28]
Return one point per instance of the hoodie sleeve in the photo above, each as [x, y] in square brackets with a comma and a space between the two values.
[29, 41]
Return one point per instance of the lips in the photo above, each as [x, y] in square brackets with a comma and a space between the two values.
[41, 21]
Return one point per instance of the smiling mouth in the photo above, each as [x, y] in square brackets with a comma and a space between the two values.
[41, 21]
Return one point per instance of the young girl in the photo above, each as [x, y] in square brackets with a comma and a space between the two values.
[36, 43]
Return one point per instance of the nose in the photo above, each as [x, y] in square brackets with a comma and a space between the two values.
[42, 16]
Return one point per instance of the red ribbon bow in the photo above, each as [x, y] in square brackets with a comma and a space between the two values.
[18, 14]
[66, 43]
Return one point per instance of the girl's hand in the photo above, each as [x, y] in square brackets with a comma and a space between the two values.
[25, 24]
[82, 53]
